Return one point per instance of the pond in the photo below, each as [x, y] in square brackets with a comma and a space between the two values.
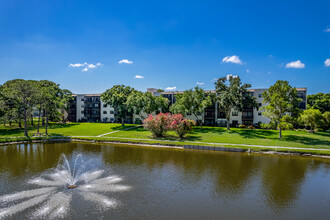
[134, 182]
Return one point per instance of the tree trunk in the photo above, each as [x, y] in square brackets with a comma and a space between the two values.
[19, 123]
[279, 132]
[46, 122]
[122, 122]
[25, 123]
[39, 114]
[228, 119]
[32, 120]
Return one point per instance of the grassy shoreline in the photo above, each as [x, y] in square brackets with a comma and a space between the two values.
[266, 140]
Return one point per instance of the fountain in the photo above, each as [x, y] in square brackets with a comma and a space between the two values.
[54, 191]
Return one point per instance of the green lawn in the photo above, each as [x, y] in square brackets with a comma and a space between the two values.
[240, 136]
[68, 129]
[205, 136]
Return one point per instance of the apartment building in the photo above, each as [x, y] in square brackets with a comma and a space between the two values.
[215, 116]
[90, 108]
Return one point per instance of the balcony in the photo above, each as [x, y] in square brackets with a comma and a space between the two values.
[247, 117]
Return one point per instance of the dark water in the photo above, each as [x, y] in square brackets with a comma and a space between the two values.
[176, 184]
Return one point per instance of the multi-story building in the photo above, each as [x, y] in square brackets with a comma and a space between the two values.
[90, 108]
[215, 116]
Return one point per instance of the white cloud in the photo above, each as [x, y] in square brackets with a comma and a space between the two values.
[214, 79]
[86, 66]
[125, 61]
[231, 75]
[295, 64]
[247, 70]
[327, 30]
[232, 59]
[139, 77]
[200, 83]
[91, 66]
[76, 64]
[171, 88]
[327, 62]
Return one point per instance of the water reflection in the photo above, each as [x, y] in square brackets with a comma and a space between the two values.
[224, 181]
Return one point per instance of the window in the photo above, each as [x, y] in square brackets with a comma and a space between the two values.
[234, 113]
[82, 106]
[111, 112]
[96, 105]
[259, 95]
[104, 105]
[104, 112]
[82, 112]
[259, 113]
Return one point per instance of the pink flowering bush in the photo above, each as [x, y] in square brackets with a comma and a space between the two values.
[158, 124]
[180, 125]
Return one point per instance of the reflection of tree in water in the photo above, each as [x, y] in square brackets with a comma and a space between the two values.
[233, 173]
[35, 157]
[282, 180]
[227, 173]
[18, 159]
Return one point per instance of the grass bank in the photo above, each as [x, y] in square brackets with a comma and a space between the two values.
[207, 136]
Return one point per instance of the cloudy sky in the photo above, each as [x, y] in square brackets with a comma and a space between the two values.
[89, 46]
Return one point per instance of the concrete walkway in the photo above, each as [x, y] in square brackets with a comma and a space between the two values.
[117, 131]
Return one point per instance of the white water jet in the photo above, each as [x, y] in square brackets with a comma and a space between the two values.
[55, 192]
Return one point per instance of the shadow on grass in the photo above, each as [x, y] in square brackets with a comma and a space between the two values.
[15, 131]
[305, 140]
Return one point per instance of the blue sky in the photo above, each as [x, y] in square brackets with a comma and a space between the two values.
[171, 44]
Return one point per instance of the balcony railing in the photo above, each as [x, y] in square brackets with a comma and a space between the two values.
[247, 117]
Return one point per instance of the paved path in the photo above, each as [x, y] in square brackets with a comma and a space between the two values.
[118, 131]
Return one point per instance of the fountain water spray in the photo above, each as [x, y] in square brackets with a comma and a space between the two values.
[51, 196]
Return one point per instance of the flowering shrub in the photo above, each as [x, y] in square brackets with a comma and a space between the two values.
[158, 124]
[241, 126]
[180, 125]
[251, 127]
[161, 123]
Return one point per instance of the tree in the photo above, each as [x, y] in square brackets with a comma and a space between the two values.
[180, 125]
[192, 102]
[326, 120]
[117, 97]
[19, 93]
[312, 118]
[319, 101]
[51, 99]
[158, 125]
[280, 98]
[65, 98]
[141, 103]
[232, 94]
